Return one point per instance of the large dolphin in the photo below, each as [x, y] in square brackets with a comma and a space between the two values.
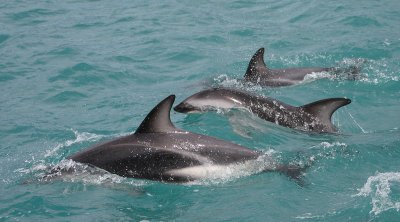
[315, 117]
[258, 73]
[160, 151]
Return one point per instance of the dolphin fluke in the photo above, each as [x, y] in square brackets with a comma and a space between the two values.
[158, 120]
[256, 65]
[323, 109]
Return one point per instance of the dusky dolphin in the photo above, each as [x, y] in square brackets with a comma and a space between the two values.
[257, 72]
[160, 151]
[315, 117]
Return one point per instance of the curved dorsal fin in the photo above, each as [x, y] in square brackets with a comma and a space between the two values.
[158, 120]
[256, 65]
[323, 109]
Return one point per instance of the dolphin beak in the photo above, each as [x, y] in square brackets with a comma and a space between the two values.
[181, 108]
[186, 108]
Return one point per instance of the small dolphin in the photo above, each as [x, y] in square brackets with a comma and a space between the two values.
[258, 73]
[160, 151]
[315, 117]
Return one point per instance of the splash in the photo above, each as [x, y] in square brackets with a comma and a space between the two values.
[316, 75]
[224, 80]
[79, 138]
[380, 71]
[327, 150]
[71, 171]
[38, 165]
[329, 146]
[365, 70]
[378, 187]
[79, 176]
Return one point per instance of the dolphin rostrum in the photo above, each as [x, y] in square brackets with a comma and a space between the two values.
[315, 117]
[258, 73]
[160, 151]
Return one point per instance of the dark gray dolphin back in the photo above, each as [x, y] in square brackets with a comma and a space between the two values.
[323, 109]
[256, 65]
[158, 120]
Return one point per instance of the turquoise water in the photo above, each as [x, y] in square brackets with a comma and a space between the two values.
[74, 73]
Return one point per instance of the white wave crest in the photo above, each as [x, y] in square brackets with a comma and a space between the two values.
[378, 187]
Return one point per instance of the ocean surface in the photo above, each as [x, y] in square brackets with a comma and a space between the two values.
[75, 73]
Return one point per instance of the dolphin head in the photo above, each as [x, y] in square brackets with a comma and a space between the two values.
[206, 100]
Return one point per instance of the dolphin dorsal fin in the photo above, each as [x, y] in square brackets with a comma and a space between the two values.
[323, 109]
[158, 120]
[256, 65]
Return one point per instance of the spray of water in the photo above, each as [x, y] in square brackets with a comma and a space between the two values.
[378, 188]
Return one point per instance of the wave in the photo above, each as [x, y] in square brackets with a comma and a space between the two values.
[379, 188]
[79, 138]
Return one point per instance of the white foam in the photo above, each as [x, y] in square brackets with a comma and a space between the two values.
[378, 71]
[69, 171]
[328, 145]
[308, 216]
[328, 150]
[233, 82]
[39, 165]
[316, 75]
[378, 187]
[35, 168]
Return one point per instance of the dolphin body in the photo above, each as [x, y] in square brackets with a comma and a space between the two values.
[315, 117]
[160, 151]
[258, 73]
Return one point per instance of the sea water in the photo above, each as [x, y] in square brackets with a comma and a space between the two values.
[74, 73]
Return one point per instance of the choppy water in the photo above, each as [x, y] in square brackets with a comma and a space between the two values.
[74, 73]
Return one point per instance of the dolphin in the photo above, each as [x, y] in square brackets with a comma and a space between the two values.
[160, 151]
[258, 73]
[314, 117]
